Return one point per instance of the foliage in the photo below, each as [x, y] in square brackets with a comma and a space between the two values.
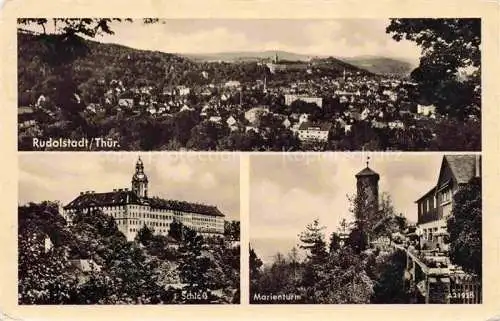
[390, 285]
[91, 262]
[232, 230]
[176, 230]
[465, 228]
[450, 49]
[193, 266]
[312, 241]
[349, 273]
[144, 235]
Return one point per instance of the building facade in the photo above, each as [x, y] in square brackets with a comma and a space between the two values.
[435, 206]
[289, 99]
[311, 132]
[132, 209]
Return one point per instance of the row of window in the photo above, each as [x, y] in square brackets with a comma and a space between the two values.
[133, 230]
[431, 203]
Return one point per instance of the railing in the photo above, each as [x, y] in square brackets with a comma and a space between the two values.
[443, 285]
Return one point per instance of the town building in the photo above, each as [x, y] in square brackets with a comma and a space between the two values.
[309, 131]
[132, 209]
[435, 206]
[426, 110]
[289, 99]
[25, 117]
[252, 115]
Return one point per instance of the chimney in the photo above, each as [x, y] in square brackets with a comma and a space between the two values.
[478, 165]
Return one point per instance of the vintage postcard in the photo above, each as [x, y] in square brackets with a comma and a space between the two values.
[250, 160]
[249, 84]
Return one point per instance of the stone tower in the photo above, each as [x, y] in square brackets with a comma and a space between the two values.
[367, 194]
[140, 180]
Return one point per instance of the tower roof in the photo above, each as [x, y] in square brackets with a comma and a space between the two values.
[367, 172]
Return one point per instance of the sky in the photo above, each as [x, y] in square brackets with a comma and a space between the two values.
[201, 178]
[289, 191]
[333, 37]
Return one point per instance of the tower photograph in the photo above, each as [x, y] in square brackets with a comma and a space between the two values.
[361, 228]
[126, 228]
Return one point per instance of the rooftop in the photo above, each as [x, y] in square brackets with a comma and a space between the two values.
[322, 126]
[463, 166]
[367, 172]
[124, 197]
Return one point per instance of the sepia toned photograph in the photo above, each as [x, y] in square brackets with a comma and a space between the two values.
[127, 228]
[106, 84]
[357, 228]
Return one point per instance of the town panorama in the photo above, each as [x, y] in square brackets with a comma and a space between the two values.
[79, 94]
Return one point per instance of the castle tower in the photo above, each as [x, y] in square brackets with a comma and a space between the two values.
[367, 194]
[140, 180]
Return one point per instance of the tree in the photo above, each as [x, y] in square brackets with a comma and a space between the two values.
[255, 263]
[312, 241]
[232, 230]
[144, 235]
[44, 276]
[449, 74]
[176, 230]
[193, 267]
[334, 242]
[465, 228]
[343, 280]
[390, 285]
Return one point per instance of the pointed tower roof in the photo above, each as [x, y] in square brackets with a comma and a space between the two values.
[367, 171]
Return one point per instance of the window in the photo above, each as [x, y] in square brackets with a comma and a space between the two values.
[446, 196]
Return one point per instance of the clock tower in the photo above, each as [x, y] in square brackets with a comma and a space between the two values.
[140, 180]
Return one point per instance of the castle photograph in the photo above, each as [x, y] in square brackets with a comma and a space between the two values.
[128, 229]
[360, 229]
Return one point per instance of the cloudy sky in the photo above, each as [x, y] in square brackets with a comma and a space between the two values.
[289, 191]
[202, 178]
[335, 37]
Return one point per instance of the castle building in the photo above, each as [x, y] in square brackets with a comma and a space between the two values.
[435, 206]
[132, 209]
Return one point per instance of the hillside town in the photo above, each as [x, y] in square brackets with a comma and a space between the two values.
[282, 106]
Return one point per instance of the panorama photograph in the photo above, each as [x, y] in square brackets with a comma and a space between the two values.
[399, 84]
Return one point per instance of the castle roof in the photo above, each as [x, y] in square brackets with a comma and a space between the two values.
[88, 199]
[367, 172]
[125, 197]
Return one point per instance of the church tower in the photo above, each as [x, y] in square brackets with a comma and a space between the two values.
[140, 180]
[367, 194]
